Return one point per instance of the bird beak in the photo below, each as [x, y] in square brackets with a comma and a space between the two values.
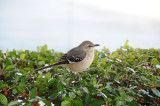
[96, 45]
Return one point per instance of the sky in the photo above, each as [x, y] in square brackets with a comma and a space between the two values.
[63, 24]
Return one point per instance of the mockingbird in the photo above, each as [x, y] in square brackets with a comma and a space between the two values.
[77, 59]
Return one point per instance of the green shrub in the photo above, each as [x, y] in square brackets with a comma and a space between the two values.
[126, 76]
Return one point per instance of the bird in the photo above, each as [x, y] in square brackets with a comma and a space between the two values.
[77, 59]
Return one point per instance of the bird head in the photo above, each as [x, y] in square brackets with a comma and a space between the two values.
[88, 44]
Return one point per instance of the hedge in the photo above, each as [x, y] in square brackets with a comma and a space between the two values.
[128, 76]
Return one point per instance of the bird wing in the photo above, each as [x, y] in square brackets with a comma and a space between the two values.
[63, 60]
[73, 56]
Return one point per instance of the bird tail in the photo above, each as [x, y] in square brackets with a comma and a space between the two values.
[55, 64]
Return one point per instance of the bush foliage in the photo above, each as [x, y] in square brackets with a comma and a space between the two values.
[126, 76]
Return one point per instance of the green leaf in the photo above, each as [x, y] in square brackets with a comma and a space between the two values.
[60, 87]
[3, 86]
[40, 76]
[67, 99]
[85, 90]
[10, 67]
[23, 80]
[122, 94]
[126, 46]
[87, 100]
[155, 61]
[29, 104]
[156, 92]
[53, 96]
[24, 73]
[120, 103]
[14, 103]
[44, 48]
[38, 49]
[42, 90]
[17, 78]
[65, 103]
[96, 102]
[51, 82]
[133, 104]
[100, 85]
[14, 91]
[77, 103]
[40, 58]
[21, 88]
[20, 51]
[29, 69]
[3, 99]
[41, 62]
[48, 76]
[108, 87]
[95, 82]
[22, 56]
[72, 95]
[37, 98]
[33, 93]
[7, 52]
[47, 103]
[129, 98]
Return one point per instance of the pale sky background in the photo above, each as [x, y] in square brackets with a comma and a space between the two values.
[63, 24]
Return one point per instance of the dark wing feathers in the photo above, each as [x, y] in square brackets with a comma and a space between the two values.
[63, 59]
[74, 55]
[73, 59]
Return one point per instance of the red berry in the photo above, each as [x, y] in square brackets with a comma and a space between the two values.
[37, 94]
[144, 88]
[24, 91]
[14, 62]
[35, 66]
[4, 90]
[24, 67]
[23, 61]
[6, 93]
[4, 75]
[57, 97]
[157, 100]
[98, 97]
[142, 99]
[27, 95]
[36, 104]
[50, 100]
[116, 67]
[154, 88]
[135, 99]
[147, 66]
[154, 70]
[8, 87]
[20, 64]
[56, 90]
[155, 73]
[37, 86]
[22, 95]
[53, 102]
[139, 88]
